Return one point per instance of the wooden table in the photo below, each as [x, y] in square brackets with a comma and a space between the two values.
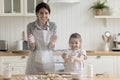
[99, 77]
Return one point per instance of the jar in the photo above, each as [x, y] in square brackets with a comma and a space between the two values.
[90, 70]
[106, 47]
[7, 71]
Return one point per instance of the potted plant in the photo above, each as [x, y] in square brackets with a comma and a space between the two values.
[99, 6]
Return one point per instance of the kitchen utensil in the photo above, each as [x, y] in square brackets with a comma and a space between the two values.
[25, 42]
[107, 36]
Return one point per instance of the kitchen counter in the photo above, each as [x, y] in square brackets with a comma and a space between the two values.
[15, 53]
[98, 53]
[103, 53]
[89, 53]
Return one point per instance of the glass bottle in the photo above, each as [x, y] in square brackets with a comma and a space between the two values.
[7, 71]
[90, 70]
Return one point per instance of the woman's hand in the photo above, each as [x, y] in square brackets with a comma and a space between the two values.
[31, 41]
[53, 39]
[31, 38]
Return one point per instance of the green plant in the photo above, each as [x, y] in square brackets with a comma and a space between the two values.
[99, 5]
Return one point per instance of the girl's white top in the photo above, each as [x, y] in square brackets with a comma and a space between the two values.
[71, 65]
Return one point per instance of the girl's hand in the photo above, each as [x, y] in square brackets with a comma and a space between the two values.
[31, 38]
[73, 58]
[64, 55]
[68, 59]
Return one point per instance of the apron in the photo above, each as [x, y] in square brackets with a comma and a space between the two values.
[41, 57]
[73, 66]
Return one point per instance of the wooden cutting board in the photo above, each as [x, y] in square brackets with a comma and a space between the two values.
[20, 51]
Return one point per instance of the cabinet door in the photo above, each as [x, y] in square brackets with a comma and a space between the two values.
[59, 63]
[18, 70]
[30, 6]
[18, 63]
[118, 66]
[12, 7]
[102, 64]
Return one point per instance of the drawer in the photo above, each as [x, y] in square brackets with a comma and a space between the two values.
[15, 63]
[18, 70]
[100, 57]
[14, 58]
[58, 59]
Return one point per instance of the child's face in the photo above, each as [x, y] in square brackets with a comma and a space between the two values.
[74, 43]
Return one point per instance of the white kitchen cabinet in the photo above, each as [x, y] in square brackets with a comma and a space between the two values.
[24, 7]
[18, 7]
[11, 7]
[118, 66]
[103, 64]
[59, 63]
[30, 6]
[18, 63]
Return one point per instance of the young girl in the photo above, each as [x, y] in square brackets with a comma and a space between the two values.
[75, 56]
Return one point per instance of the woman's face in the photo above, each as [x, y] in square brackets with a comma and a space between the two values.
[43, 15]
[74, 44]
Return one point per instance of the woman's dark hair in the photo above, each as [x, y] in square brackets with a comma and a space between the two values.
[42, 5]
[76, 35]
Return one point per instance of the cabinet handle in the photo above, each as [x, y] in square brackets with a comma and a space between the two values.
[12, 69]
[98, 57]
[57, 60]
[23, 57]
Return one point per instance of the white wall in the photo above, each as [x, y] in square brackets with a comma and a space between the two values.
[69, 18]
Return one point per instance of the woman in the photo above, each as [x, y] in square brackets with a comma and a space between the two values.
[42, 37]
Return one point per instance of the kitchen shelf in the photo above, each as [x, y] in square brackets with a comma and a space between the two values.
[63, 1]
[106, 17]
